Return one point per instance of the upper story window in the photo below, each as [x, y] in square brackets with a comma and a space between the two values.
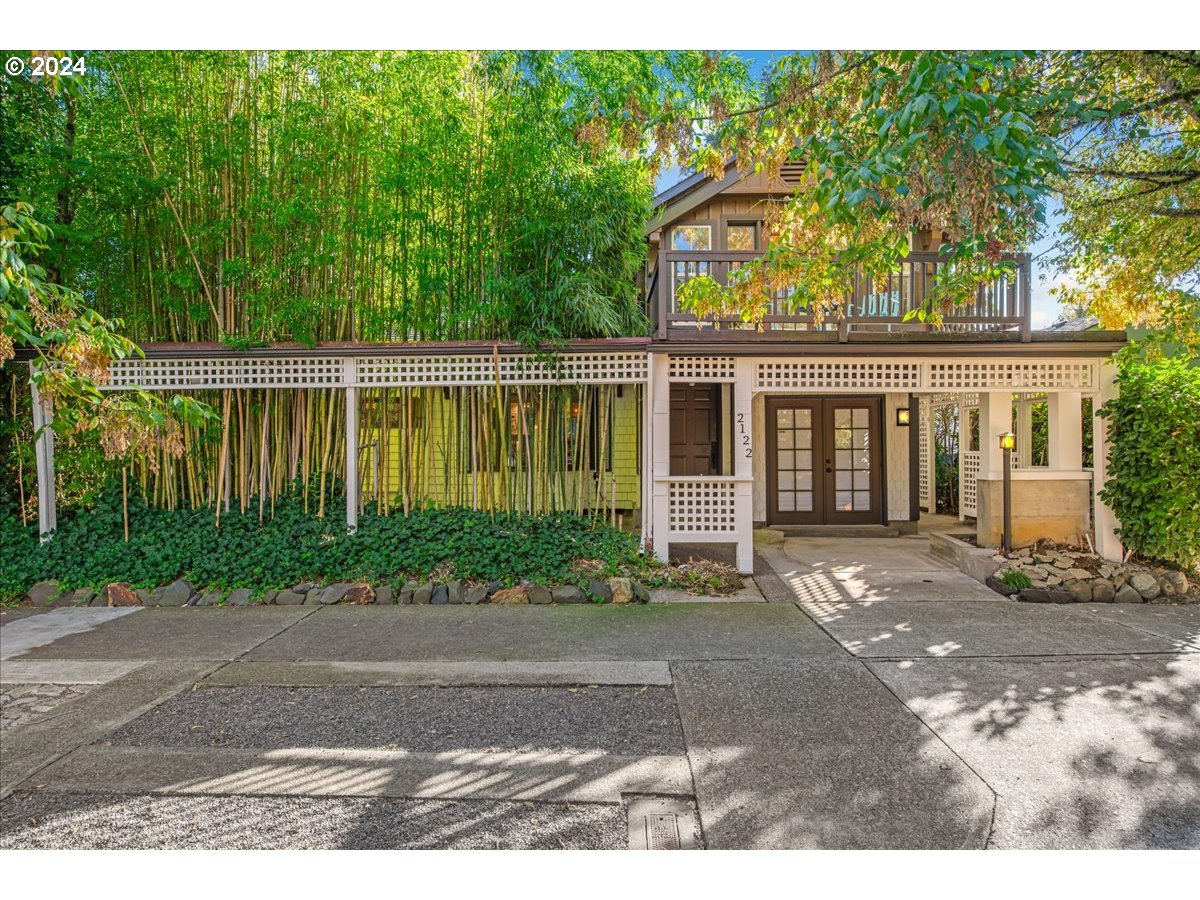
[741, 237]
[691, 237]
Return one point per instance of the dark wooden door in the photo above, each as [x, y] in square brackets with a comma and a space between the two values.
[823, 465]
[695, 429]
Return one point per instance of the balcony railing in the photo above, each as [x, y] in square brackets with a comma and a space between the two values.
[874, 305]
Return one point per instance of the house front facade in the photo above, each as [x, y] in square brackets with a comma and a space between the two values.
[714, 428]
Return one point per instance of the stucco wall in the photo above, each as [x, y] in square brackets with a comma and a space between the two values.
[1056, 509]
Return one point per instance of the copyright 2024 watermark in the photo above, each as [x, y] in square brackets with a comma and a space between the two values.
[45, 66]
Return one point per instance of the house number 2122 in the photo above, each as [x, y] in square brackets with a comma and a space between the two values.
[741, 423]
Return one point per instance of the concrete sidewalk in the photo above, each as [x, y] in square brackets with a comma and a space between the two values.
[849, 722]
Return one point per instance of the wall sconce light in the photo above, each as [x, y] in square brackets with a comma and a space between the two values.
[903, 416]
[1008, 441]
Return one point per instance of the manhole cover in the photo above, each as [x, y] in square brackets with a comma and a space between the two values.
[661, 823]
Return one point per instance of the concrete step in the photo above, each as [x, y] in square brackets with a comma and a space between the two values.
[849, 531]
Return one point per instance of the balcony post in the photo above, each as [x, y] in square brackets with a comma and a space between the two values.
[1023, 269]
[662, 276]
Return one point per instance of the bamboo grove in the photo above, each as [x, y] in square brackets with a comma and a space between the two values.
[247, 198]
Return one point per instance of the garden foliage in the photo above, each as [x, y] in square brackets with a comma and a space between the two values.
[1154, 464]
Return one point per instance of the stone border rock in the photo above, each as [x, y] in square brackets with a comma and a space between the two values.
[614, 590]
[1064, 575]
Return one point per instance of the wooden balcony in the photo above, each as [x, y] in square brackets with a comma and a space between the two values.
[1000, 308]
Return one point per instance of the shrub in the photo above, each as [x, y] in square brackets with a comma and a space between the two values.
[89, 551]
[1154, 464]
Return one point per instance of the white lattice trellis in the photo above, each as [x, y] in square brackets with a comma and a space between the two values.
[377, 371]
[699, 506]
[702, 368]
[1011, 374]
[837, 375]
[970, 482]
[926, 455]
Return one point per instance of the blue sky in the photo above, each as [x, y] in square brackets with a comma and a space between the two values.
[1045, 307]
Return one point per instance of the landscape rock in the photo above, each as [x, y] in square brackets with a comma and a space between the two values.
[1103, 591]
[423, 593]
[44, 593]
[599, 590]
[211, 598]
[267, 599]
[177, 593]
[1081, 591]
[476, 594]
[147, 597]
[1080, 574]
[303, 587]
[454, 591]
[539, 594]
[1166, 587]
[511, 596]
[360, 594]
[384, 595]
[1178, 580]
[120, 593]
[239, 597]
[999, 586]
[1146, 585]
[622, 590]
[568, 593]
[641, 593]
[330, 595]
[81, 596]
[440, 595]
[1045, 595]
[289, 598]
[1126, 594]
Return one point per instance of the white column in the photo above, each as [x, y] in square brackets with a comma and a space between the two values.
[43, 451]
[1108, 544]
[1065, 438]
[661, 451]
[350, 374]
[995, 418]
[1024, 431]
[743, 463]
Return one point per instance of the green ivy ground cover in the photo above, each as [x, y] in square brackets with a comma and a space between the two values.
[89, 549]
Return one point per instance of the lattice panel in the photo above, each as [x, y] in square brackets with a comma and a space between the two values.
[192, 374]
[415, 371]
[701, 507]
[702, 368]
[984, 374]
[450, 371]
[969, 480]
[925, 456]
[838, 374]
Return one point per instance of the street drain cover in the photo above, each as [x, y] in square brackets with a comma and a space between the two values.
[660, 823]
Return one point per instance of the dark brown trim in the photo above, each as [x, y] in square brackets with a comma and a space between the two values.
[914, 343]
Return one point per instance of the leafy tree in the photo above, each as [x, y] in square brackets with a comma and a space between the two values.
[73, 345]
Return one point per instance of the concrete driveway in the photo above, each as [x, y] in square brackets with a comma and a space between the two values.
[881, 715]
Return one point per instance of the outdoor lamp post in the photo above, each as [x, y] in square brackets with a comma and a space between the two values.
[1008, 440]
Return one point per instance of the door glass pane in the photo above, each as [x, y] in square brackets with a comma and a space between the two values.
[787, 481]
[787, 460]
[804, 418]
[787, 439]
[787, 418]
[787, 501]
[804, 500]
[804, 480]
[852, 459]
[804, 439]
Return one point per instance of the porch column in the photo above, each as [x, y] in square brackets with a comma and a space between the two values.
[964, 445]
[43, 451]
[995, 418]
[350, 376]
[1024, 431]
[743, 464]
[1108, 544]
[1065, 438]
[661, 452]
